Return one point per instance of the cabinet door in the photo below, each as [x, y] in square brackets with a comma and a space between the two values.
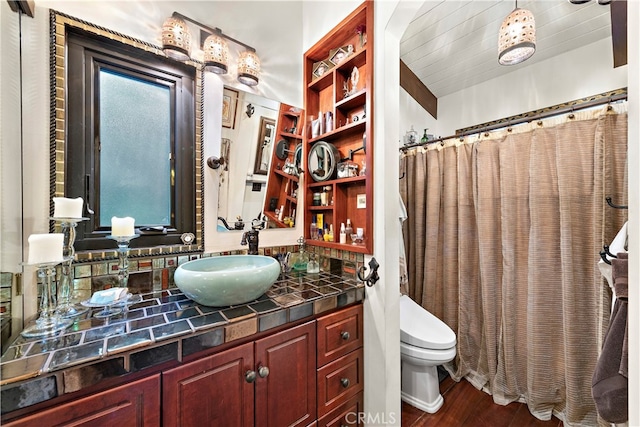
[135, 404]
[287, 395]
[212, 391]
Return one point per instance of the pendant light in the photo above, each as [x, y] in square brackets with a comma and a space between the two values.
[216, 54]
[517, 38]
[176, 39]
[248, 68]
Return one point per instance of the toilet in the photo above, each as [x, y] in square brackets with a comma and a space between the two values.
[425, 343]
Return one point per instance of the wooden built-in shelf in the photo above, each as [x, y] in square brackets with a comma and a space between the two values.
[351, 109]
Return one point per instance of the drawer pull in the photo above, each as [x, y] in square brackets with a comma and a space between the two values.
[345, 335]
[345, 382]
[263, 371]
[250, 376]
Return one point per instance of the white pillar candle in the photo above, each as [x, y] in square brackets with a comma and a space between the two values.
[122, 226]
[67, 208]
[46, 248]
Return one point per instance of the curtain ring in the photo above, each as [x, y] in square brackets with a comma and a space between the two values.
[571, 116]
[539, 123]
[509, 130]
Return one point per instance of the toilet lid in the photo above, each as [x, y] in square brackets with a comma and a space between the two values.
[420, 328]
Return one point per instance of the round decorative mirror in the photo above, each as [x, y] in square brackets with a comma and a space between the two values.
[323, 158]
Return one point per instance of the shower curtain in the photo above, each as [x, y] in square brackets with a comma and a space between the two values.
[502, 241]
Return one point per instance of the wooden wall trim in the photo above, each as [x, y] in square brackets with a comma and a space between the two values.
[418, 91]
[619, 32]
[28, 7]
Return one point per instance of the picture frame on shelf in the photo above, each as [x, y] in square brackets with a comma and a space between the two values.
[229, 107]
[336, 56]
[264, 145]
[320, 68]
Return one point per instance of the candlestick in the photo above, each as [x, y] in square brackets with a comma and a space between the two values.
[123, 252]
[45, 248]
[48, 323]
[67, 208]
[122, 226]
[65, 307]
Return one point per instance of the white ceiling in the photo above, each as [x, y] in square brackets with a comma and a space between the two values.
[453, 44]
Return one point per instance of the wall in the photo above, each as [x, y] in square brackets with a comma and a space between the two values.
[571, 76]
[634, 204]
[142, 20]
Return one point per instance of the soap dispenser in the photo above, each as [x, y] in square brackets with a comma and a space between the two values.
[299, 260]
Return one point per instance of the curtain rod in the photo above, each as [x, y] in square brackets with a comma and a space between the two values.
[508, 123]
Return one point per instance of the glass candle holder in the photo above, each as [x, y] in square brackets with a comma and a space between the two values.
[65, 307]
[123, 255]
[49, 323]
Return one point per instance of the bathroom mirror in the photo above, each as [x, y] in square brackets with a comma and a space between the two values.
[247, 147]
[323, 158]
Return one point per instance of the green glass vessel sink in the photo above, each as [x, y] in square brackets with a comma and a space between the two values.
[227, 280]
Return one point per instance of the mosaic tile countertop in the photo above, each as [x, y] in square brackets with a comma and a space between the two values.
[162, 327]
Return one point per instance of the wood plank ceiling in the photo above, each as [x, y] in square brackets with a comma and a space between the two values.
[452, 44]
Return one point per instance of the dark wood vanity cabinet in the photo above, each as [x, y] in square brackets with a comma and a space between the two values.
[269, 382]
[136, 404]
[307, 375]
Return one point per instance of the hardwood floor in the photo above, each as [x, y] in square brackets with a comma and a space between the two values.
[464, 405]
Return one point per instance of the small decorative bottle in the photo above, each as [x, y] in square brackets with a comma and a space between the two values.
[348, 229]
[343, 234]
[313, 266]
[299, 260]
[425, 138]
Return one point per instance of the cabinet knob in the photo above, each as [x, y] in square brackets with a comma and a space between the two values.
[250, 376]
[345, 335]
[263, 371]
[345, 382]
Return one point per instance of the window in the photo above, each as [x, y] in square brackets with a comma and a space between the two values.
[130, 135]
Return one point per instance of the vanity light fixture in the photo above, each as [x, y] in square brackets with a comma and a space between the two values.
[248, 68]
[517, 38]
[176, 38]
[216, 53]
[176, 43]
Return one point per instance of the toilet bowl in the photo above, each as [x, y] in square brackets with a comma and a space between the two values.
[425, 343]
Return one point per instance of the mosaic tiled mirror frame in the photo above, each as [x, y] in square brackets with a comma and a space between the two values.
[58, 25]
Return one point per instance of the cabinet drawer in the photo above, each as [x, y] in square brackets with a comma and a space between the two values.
[339, 333]
[339, 380]
[345, 415]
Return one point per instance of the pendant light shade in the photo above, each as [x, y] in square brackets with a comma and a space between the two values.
[176, 39]
[517, 41]
[248, 68]
[216, 54]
